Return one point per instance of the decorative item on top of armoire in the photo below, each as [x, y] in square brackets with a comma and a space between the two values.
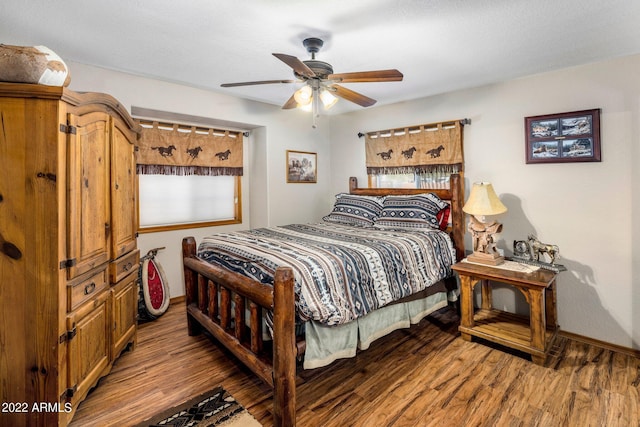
[68, 269]
[32, 64]
[563, 137]
[482, 201]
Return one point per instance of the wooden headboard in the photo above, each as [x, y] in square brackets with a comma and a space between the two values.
[454, 195]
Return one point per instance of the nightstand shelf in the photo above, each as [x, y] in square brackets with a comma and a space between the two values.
[533, 334]
[507, 329]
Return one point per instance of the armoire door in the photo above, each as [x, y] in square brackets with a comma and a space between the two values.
[88, 345]
[124, 311]
[88, 202]
[124, 218]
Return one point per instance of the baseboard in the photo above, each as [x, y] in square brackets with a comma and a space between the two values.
[602, 344]
[177, 300]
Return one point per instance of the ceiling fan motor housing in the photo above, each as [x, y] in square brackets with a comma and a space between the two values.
[321, 68]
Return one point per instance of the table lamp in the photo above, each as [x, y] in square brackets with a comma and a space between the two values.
[484, 201]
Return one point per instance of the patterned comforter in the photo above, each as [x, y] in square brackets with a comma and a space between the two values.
[341, 272]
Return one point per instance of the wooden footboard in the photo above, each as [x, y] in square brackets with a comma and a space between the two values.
[210, 292]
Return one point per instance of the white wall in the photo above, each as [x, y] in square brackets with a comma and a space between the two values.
[266, 197]
[587, 209]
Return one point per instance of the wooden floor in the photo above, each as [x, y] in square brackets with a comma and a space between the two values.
[423, 376]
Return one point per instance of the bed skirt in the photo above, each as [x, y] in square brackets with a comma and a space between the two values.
[326, 344]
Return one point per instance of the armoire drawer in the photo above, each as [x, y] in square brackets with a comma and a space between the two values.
[123, 266]
[84, 288]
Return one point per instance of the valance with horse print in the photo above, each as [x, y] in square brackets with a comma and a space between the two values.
[421, 149]
[172, 149]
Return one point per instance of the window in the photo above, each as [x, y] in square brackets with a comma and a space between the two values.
[176, 201]
[410, 180]
[188, 176]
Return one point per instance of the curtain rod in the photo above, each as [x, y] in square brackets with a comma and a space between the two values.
[150, 122]
[190, 120]
[463, 122]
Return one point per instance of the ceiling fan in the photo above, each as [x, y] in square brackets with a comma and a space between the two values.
[321, 82]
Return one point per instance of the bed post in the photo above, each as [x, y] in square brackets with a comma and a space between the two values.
[353, 184]
[190, 283]
[457, 200]
[284, 349]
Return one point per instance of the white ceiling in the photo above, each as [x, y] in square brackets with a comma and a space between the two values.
[439, 45]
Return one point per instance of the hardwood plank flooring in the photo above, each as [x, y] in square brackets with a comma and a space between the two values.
[423, 376]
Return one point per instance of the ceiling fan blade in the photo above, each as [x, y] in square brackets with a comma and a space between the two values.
[352, 96]
[291, 103]
[297, 65]
[262, 82]
[367, 76]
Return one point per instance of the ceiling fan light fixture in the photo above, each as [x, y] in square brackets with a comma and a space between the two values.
[303, 95]
[327, 98]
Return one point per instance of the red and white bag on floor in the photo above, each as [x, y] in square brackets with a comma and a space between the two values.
[153, 290]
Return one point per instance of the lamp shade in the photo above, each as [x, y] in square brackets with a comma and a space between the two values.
[483, 200]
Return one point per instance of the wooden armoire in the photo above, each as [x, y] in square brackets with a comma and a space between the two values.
[68, 255]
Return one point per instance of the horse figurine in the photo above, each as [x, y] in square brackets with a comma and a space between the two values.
[538, 248]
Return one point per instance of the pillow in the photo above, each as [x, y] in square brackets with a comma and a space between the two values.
[352, 209]
[415, 211]
[443, 217]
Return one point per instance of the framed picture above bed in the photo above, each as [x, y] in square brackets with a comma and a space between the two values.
[563, 137]
[302, 167]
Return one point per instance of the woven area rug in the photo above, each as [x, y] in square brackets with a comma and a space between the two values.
[215, 408]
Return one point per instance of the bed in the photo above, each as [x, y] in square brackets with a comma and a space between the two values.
[254, 305]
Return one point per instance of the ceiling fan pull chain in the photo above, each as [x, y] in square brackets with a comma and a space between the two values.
[315, 110]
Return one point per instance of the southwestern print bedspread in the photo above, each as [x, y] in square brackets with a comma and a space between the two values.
[341, 272]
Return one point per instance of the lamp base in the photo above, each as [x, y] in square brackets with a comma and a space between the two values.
[488, 259]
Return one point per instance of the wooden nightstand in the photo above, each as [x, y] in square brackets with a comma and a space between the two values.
[534, 334]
